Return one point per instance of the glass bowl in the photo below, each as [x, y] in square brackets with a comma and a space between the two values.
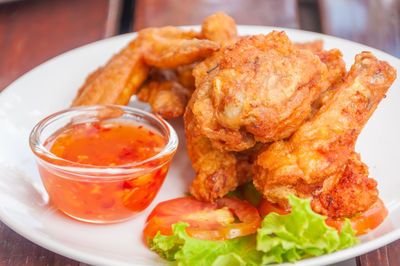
[101, 193]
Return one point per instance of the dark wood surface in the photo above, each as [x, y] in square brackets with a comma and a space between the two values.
[32, 31]
[386, 256]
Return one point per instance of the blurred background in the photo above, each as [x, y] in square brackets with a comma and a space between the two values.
[33, 31]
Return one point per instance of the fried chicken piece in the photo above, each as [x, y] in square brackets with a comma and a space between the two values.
[217, 171]
[165, 94]
[185, 76]
[219, 28]
[169, 94]
[257, 89]
[333, 59]
[315, 157]
[354, 192]
[170, 47]
[115, 82]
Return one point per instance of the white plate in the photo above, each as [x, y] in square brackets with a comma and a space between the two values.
[52, 86]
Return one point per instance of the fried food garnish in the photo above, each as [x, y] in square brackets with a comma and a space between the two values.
[257, 89]
[170, 47]
[316, 154]
[115, 82]
[219, 28]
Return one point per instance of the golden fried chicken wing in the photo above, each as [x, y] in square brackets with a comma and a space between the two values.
[219, 28]
[115, 82]
[315, 157]
[257, 89]
[165, 94]
[125, 72]
[333, 59]
[221, 169]
[170, 47]
[169, 94]
[353, 193]
[217, 171]
[185, 76]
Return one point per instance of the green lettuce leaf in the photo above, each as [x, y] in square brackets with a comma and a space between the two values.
[300, 234]
[281, 238]
[186, 250]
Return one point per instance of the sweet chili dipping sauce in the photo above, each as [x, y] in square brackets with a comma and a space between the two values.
[104, 170]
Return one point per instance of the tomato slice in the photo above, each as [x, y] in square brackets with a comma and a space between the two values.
[212, 221]
[362, 224]
[265, 207]
[366, 221]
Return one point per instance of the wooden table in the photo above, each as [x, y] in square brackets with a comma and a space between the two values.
[32, 32]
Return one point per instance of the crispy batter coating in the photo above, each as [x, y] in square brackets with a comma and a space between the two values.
[219, 28]
[115, 82]
[217, 171]
[170, 47]
[165, 94]
[333, 59]
[354, 193]
[316, 154]
[185, 76]
[220, 170]
[258, 89]
[169, 94]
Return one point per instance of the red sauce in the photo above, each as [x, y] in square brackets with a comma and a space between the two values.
[99, 198]
[106, 144]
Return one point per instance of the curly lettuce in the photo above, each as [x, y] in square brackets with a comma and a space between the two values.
[300, 234]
